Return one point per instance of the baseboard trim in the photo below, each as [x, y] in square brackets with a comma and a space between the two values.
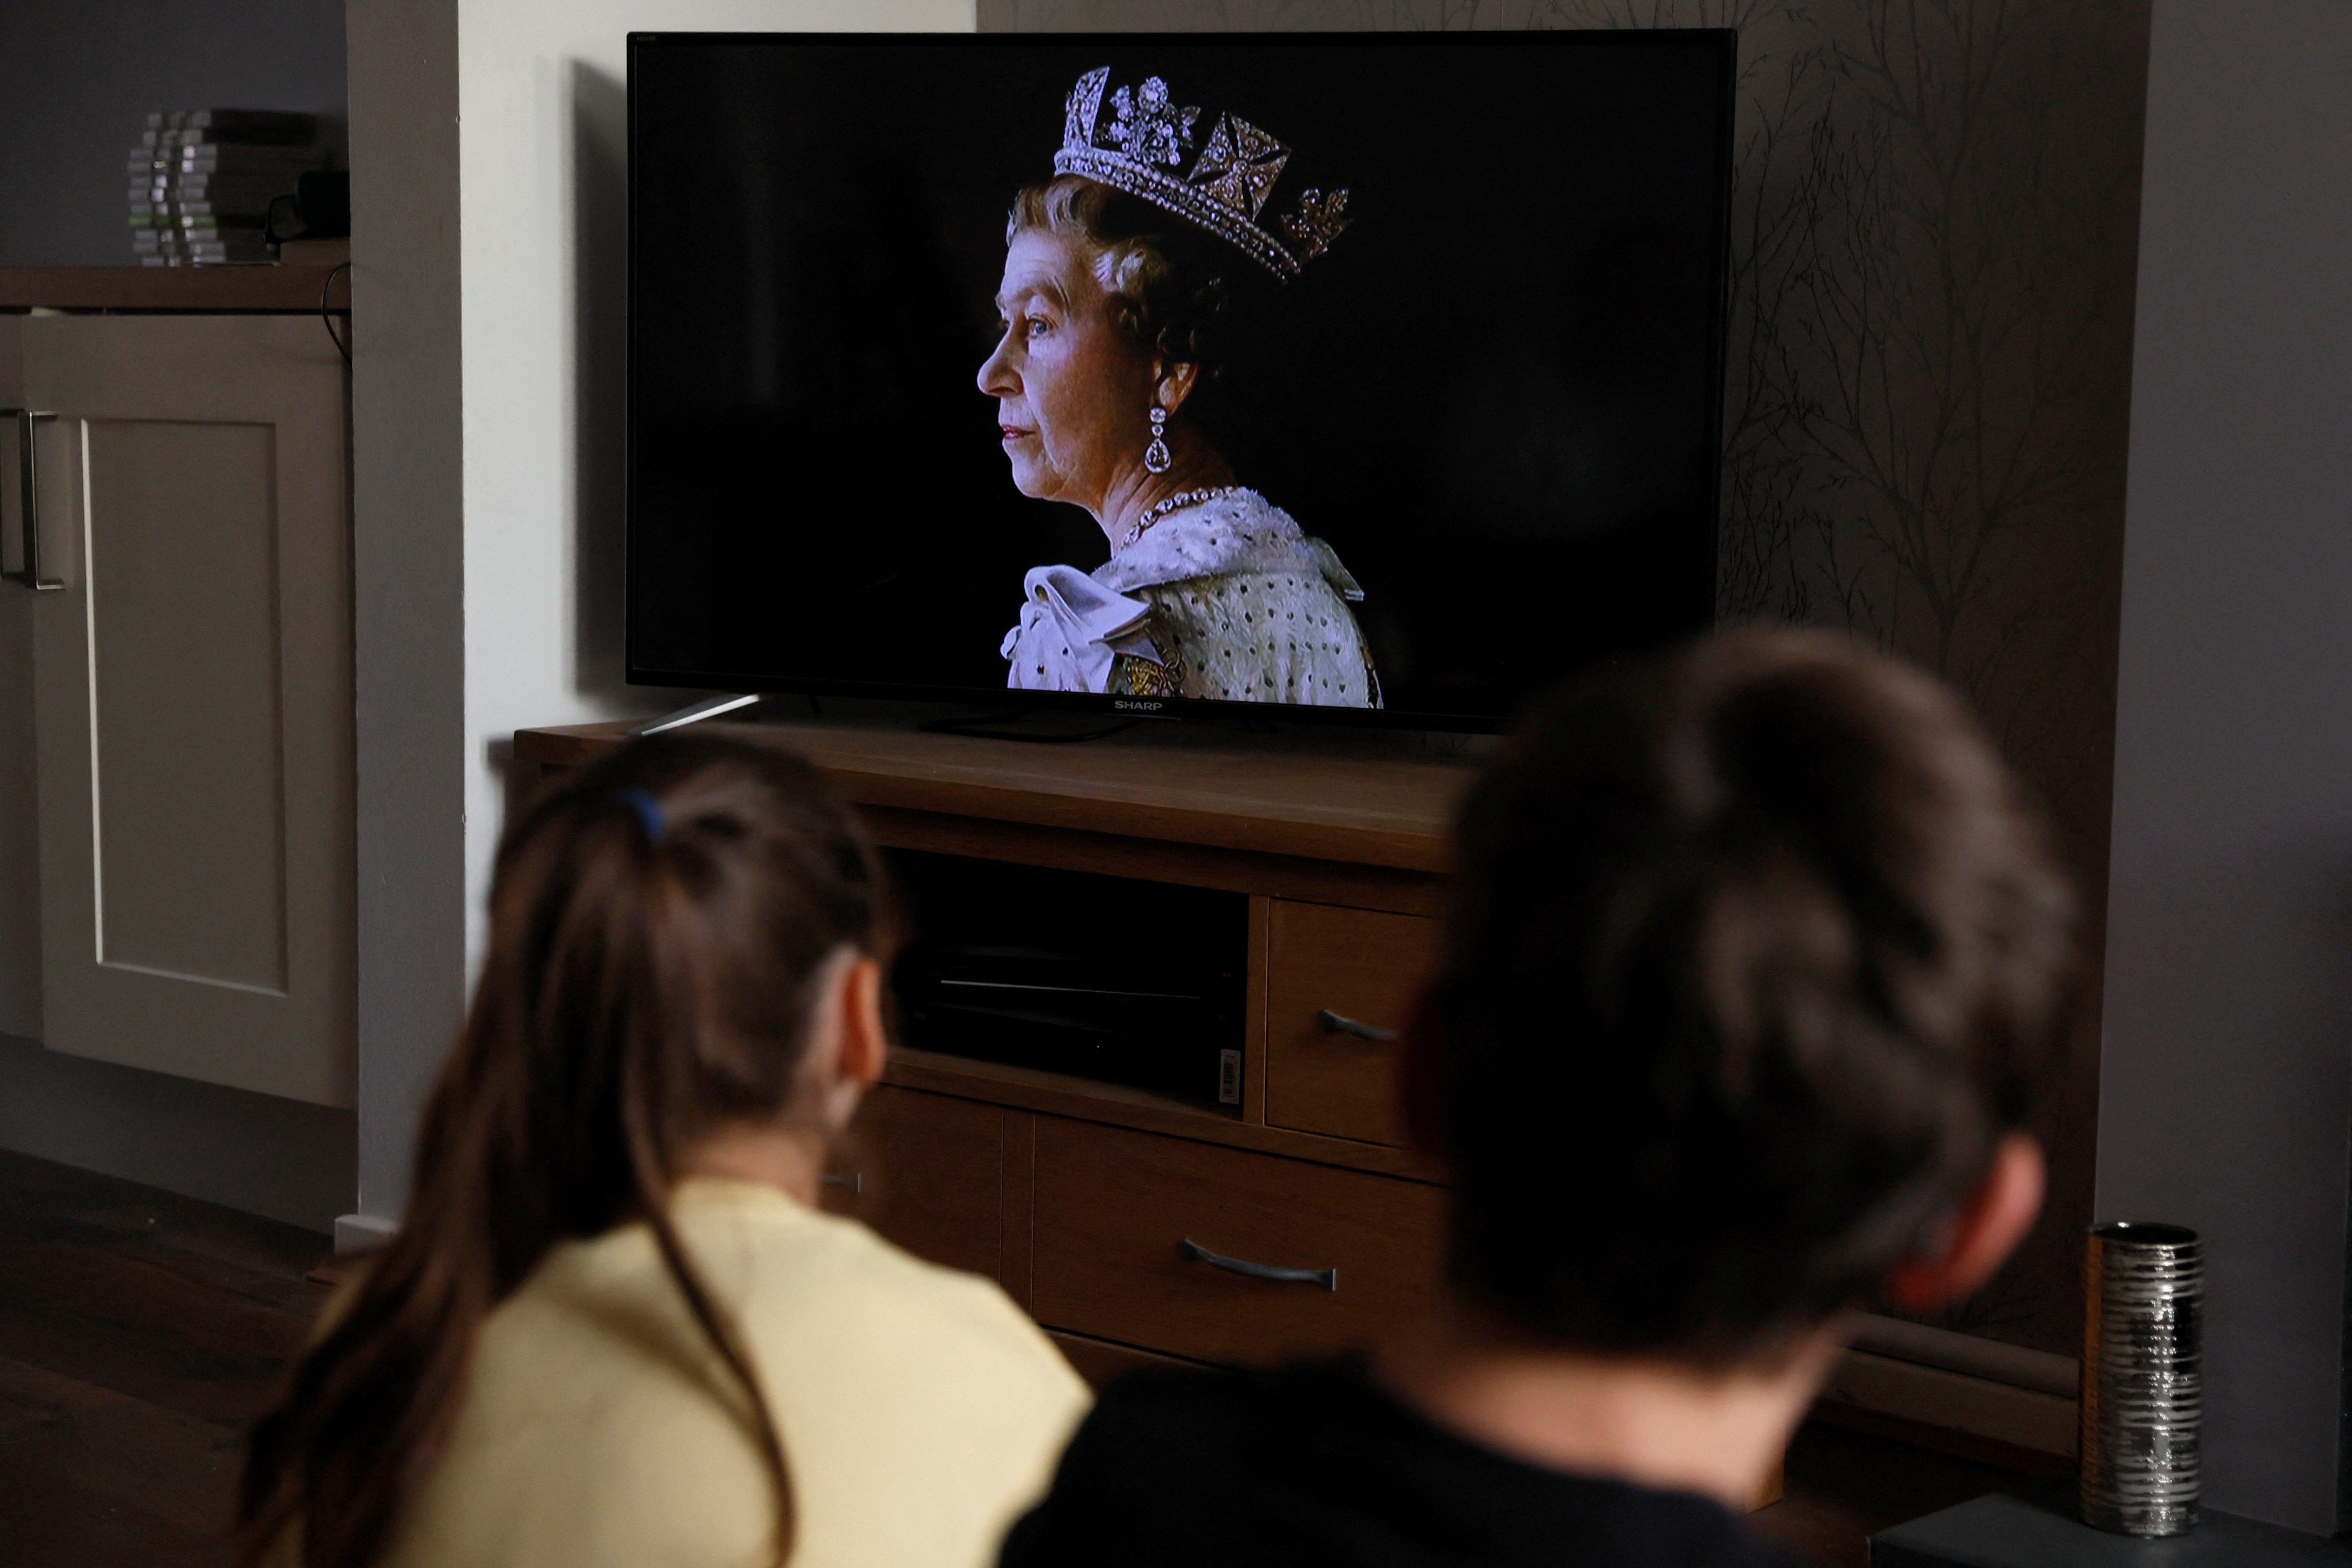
[356, 1233]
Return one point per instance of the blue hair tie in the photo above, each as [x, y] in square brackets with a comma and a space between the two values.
[648, 810]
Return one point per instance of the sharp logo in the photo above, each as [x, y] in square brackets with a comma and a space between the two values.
[1138, 707]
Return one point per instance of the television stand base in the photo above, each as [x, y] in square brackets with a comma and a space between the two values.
[708, 708]
[1045, 727]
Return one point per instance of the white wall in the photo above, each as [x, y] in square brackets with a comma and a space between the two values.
[488, 405]
[2226, 1073]
[76, 81]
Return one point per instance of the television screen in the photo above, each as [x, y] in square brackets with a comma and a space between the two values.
[1373, 375]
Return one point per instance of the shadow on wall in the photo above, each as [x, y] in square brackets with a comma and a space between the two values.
[599, 113]
[1934, 233]
[600, 289]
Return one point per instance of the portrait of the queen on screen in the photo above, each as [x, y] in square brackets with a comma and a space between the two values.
[1122, 277]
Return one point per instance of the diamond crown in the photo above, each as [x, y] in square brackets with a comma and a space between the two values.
[1142, 149]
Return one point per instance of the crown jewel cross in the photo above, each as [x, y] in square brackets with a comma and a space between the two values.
[1240, 165]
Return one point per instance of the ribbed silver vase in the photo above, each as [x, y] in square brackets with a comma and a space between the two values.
[2143, 1377]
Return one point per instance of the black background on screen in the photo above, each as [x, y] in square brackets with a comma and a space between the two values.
[1496, 396]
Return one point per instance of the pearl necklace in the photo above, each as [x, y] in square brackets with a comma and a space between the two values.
[1180, 500]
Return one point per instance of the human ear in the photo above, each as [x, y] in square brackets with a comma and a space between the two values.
[1983, 1228]
[865, 1044]
[860, 1045]
[1176, 380]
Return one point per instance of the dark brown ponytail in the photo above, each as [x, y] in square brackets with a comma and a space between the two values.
[657, 927]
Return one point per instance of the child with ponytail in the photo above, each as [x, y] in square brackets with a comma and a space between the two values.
[613, 1328]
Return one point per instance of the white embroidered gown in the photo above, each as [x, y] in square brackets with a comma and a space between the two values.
[1227, 599]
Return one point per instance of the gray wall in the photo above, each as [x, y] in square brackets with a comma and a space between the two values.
[408, 555]
[77, 79]
[2226, 1088]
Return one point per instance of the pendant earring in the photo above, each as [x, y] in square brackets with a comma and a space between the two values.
[1157, 458]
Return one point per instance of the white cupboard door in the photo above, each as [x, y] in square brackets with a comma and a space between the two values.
[192, 698]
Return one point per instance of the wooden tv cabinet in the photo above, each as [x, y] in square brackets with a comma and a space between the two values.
[1080, 1197]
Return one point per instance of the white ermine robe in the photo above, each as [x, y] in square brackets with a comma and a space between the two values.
[1226, 599]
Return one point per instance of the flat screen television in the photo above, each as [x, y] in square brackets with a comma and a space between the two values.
[1364, 377]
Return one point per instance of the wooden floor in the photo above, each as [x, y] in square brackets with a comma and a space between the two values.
[139, 1331]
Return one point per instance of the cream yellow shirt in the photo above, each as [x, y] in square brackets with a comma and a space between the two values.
[920, 1410]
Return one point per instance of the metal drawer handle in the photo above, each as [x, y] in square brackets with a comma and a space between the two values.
[855, 1181]
[28, 492]
[1327, 1278]
[1333, 1024]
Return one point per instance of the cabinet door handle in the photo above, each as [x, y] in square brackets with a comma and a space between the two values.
[28, 492]
[1333, 1024]
[1327, 1278]
[855, 1181]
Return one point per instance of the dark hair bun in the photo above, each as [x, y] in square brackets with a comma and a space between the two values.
[1754, 954]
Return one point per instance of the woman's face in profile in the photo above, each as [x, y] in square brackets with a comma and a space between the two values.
[1073, 393]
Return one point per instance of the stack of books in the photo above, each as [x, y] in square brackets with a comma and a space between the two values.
[201, 181]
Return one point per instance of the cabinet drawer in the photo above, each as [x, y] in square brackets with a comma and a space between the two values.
[928, 1171]
[1357, 966]
[1101, 1362]
[1114, 1211]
